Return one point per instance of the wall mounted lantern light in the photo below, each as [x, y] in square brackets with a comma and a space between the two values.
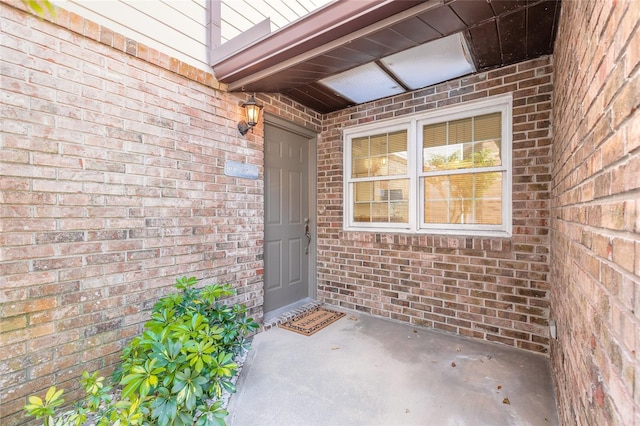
[252, 113]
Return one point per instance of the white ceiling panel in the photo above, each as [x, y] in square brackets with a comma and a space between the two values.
[364, 83]
[431, 63]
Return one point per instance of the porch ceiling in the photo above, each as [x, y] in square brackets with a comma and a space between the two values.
[301, 59]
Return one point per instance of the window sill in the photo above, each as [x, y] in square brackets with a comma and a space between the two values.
[434, 232]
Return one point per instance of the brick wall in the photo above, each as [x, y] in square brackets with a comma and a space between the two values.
[112, 185]
[289, 110]
[595, 244]
[489, 288]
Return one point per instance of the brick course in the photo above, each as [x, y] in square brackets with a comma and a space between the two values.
[595, 223]
[489, 288]
[112, 185]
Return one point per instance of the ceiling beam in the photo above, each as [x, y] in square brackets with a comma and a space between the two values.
[392, 75]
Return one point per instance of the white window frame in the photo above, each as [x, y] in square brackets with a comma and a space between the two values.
[413, 125]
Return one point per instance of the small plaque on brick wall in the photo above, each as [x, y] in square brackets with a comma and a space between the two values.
[241, 170]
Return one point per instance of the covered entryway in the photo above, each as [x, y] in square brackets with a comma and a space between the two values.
[289, 252]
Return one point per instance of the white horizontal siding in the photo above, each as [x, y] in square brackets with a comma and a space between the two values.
[179, 27]
[240, 15]
[175, 27]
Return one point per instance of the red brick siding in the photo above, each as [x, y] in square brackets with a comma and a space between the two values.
[288, 109]
[595, 244]
[489, 288]
[112, 185]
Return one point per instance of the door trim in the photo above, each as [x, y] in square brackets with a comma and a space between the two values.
[312, 137]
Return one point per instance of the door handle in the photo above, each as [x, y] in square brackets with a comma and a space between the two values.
[307, 234]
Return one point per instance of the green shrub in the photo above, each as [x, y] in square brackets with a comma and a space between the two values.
[175, 373]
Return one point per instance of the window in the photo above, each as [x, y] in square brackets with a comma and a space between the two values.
[381, 189]
[447, 171]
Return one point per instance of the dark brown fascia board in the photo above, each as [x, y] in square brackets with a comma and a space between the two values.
[334, 21]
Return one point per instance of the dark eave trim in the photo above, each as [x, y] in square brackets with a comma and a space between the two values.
[328, 24]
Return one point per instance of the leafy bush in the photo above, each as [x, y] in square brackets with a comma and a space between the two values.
[175, 373]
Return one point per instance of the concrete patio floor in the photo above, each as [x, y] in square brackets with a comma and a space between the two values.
[363, 370]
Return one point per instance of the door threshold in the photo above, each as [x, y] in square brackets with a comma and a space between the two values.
[280, 315]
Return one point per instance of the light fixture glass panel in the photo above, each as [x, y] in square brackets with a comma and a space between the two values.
[432, 62]
[253, 111]
[363, 84]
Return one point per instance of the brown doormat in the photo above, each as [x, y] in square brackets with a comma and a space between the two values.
[313, 320]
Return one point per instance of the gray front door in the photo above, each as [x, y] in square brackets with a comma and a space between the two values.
[286, 254]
